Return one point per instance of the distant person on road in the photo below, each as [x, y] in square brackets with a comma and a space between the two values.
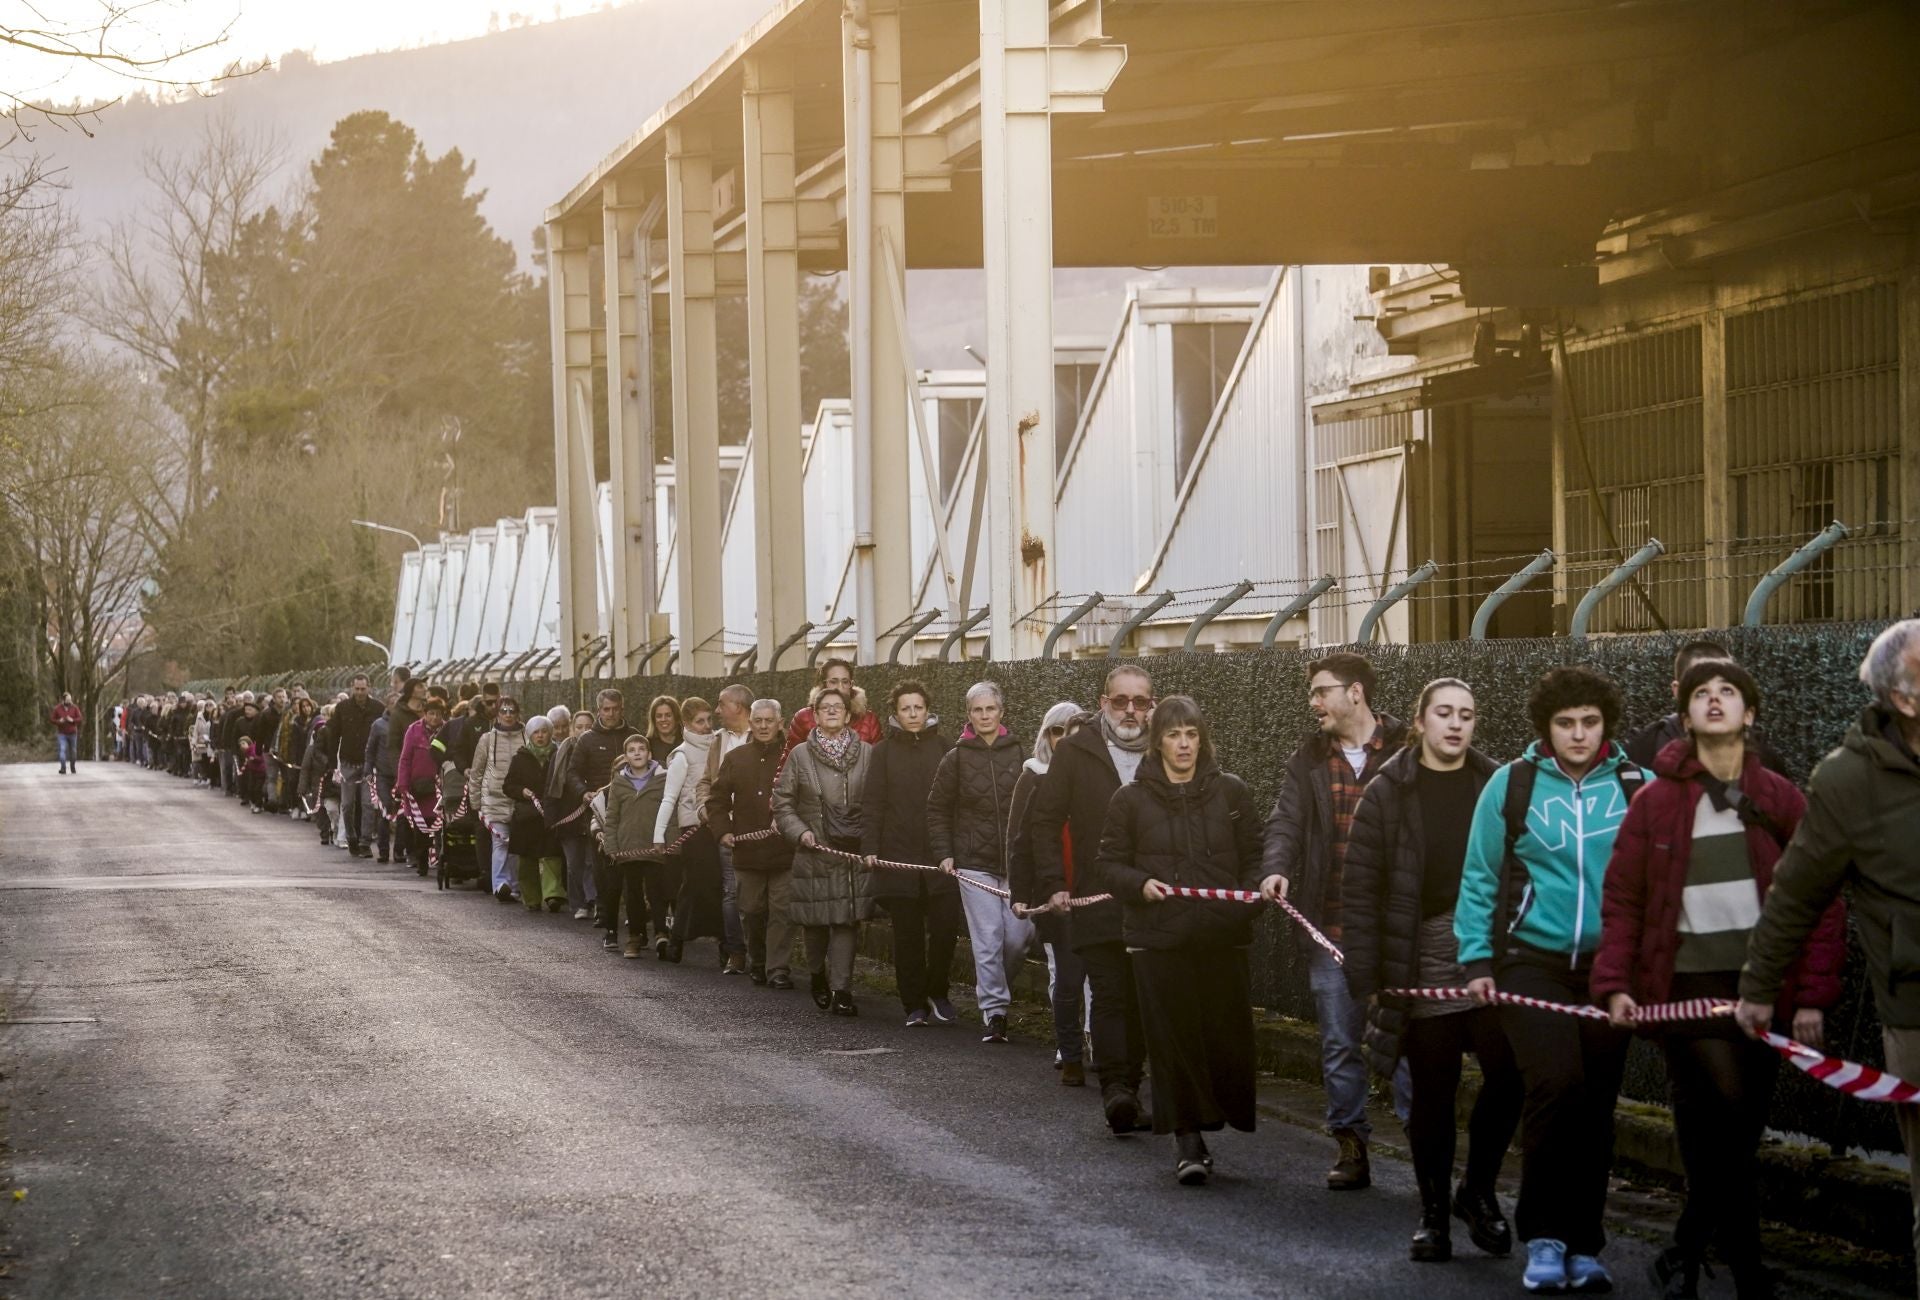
[353, 720]
[596, 752]
[1683, 892]
[838, 675]
[487, 792]
[1070, 808]
[969, 816]
[817, 806]
[253, 774]
[1181, 819]
[1528, 922]
[740, 803]
[542, 871]
[1644, 746]
[1402, 878]
[566, 815]
[924, 907]
[1861, 825]
[416, 783]
[1306, 848]
[1066, 976]
[66, 719]
[633, 798]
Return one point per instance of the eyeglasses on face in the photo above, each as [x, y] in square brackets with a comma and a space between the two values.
[1131, 703]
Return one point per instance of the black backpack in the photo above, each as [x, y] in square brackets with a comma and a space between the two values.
[1520, 778]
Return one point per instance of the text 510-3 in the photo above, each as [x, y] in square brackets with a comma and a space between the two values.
[1186, 216]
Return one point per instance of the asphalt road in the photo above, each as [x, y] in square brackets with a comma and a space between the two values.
[257, 1069]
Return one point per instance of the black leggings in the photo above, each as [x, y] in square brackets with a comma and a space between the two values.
[924, 928]
[1722, 1086]
[1434, 1047]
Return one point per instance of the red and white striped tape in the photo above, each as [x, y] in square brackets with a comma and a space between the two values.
[885, 864]
[1850, 1077]
[665, 850]
[1223, 896]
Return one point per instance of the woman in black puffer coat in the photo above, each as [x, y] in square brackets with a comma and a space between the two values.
[970, 833]
[1183, 821]
[1401, 879]
[923, 906]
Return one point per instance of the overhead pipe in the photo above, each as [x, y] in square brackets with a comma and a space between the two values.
[1074, 615]
[1776, 578]
[1591, 601]
[919, 625]
[814, 654]
[959, 634]
[1395, 594]
[1294, 608]
[1213, 611]
[1145, 612]
[799, 634]
[1483, 617]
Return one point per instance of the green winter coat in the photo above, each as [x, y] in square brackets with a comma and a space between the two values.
[631, 813]
[1859, 832]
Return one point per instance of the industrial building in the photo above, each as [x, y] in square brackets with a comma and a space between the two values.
[1618, 306]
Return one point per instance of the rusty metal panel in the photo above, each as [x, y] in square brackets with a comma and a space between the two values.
[1335, 442]
[1640, 415]
[1813, 428]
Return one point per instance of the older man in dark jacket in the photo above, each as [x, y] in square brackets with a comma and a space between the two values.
[740, 803]
[1087, 768]
[1861, 823]
[1306, 848]
[353, 719]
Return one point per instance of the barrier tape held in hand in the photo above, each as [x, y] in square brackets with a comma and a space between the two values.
[1222, 896]
[1850, 1077]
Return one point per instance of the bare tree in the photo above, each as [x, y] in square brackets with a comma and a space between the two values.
[68, 483]
[36, 265]
[130, 40]
[158, 296]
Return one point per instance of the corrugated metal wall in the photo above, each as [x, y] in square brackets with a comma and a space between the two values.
[1094, 500]
[1640, 407]
[1247, 467]
[1813, 427]
[475, 583]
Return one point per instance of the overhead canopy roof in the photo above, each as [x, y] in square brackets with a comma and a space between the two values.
[1496, 134]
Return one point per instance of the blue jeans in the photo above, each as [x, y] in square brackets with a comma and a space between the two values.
[736, 938]
[1343, 1058]
[67, 747]
[505, 866]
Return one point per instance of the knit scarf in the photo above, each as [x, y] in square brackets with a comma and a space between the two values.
[836, 751]
[541, 752]
[1138, 745]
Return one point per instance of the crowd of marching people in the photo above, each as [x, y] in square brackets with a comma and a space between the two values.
[1534, 913]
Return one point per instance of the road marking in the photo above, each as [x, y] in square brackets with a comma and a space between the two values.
[208, 882]
[860, 1051]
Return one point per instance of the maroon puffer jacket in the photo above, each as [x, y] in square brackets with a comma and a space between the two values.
[1640, 902]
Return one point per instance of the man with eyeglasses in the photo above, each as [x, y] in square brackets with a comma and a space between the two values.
[1306, 850]
[1088, 766]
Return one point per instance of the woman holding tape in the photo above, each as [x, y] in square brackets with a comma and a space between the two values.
[1184, 822]
[1693, 860]
[817, 806]
[1402, 878]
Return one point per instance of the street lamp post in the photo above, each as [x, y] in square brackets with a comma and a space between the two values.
[367, 640]
[387, 528]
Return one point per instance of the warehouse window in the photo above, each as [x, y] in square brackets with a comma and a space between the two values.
[958, 415]
[1203, 357]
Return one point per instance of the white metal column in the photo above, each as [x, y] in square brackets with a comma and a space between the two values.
[696, 407]
[773, 348]
[629, 419]
[1024, 79]
[570, 311]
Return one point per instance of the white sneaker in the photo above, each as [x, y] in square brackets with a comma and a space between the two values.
[581, 914]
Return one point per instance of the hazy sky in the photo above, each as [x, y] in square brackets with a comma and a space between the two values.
[254, 29]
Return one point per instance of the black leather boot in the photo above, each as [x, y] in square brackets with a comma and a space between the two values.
[1190, 1165]
[1676, 1274]
[1433, 1239]
[1486, 1226]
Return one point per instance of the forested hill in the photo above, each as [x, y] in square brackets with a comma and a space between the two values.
[533, 107]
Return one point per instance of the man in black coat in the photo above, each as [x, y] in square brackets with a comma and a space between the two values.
[1306, 849]
[230, 730]
[596, 752]
[1087, 768]
[353, 718]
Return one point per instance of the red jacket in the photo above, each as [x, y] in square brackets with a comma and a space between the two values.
[67, 719]
[865, 724]
[1640, 902]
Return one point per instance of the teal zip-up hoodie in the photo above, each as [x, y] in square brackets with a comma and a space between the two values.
[1570, 831]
